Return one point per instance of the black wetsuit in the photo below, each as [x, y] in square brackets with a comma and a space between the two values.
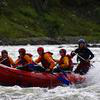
[83, 66]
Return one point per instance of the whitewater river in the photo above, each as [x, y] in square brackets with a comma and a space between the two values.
[89, 90]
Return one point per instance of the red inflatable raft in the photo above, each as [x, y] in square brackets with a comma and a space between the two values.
[11, 76]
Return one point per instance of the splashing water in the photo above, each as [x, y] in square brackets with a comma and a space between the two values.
[89, 90]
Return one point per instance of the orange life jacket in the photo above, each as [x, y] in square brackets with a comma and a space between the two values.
[70, 61]
[44, 62]
[22, 60]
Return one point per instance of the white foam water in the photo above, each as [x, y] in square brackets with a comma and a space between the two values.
[89, 90]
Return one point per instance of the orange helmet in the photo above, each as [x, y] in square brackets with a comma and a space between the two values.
[22, 50]
[40, 49]
[63, 50]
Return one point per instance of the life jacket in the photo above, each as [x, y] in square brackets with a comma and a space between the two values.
[5, 61]
[44, 62]
[70, 61]
[30, 55]
[22, 60]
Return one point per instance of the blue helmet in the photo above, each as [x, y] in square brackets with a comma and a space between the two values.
[81, 41]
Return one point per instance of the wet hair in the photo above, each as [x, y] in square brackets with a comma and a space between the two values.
[4, 51]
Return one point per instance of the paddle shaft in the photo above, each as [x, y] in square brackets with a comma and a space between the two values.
[3, 60]
[66, 81]
[82, 58]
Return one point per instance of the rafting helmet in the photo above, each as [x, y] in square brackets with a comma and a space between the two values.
[62, 50]
[4, 51]
[81, 41]
[22, 50]
[40, 49]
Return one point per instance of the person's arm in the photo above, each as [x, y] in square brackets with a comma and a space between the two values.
[73, 53]
[56, 60]
[91, 55]
[12, 62]
[17, 61]
[38, 60]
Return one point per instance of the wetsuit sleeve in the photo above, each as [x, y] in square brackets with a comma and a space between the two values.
[38, 60]
[65, 63]
[50, 60]
[73, 53]
[28, 59]
[91, 55]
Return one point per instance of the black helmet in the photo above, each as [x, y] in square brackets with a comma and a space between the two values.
[4, 51]
[22, 50]
[62, 50]
[81, 41]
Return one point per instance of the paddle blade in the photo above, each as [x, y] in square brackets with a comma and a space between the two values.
[63, 80]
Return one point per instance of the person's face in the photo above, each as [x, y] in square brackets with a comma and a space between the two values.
[82, 45]
[62, 54]
[21, 54]
[40, 52]
[4, 55]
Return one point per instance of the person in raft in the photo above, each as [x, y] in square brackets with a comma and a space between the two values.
[64, 63]
[45, 58]
[84, 55]
[5, 59]
[24, 60]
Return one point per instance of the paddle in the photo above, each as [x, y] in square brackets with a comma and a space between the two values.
[3, 60]
[62, 79]
[82, 58]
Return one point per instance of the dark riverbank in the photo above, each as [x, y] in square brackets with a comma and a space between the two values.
[45, 41]
[37, 41]
[40, 41]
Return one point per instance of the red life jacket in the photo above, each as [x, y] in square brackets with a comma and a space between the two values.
[44, 62]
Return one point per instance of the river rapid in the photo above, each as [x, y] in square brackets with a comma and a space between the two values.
[89, 90]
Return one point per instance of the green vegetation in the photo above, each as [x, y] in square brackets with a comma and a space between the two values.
[50, 18]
